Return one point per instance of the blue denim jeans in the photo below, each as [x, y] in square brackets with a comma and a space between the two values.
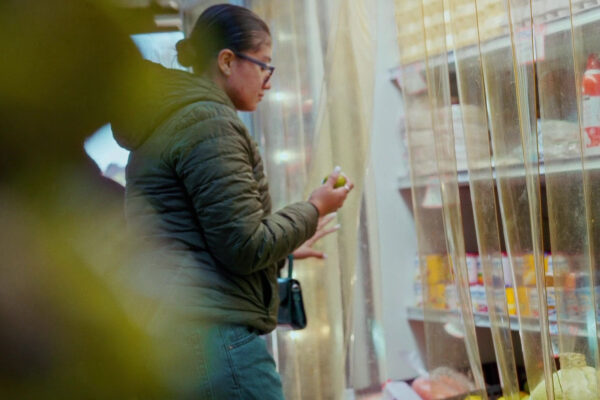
[230, 362]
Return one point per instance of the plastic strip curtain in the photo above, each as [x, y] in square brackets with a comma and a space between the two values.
[586, 36]
[573, 279]
[285, 119]
[510, 93]
[313, 362]
[465, 31]
[283, 124]
[436, 203]
[342, 138]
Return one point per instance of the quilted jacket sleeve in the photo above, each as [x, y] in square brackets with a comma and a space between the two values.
[217, 172]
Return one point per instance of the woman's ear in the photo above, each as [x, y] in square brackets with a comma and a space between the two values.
[225, 60]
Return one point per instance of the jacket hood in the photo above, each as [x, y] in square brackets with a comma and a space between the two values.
[153, 95]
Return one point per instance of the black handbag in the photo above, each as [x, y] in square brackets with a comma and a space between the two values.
[291, 307]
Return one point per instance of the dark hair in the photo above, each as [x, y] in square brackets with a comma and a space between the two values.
[222, 26]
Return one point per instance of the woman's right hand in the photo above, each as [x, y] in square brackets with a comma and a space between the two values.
[326, 198]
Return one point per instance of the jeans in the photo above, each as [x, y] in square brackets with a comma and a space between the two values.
[229, 362]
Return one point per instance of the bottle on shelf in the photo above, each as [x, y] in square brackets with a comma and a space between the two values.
[590, 93]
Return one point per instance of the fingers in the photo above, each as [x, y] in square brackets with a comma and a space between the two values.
[348, 186]
[328, 198]
[333, 176]
[307, 252]
[317, 254]
[324, 232]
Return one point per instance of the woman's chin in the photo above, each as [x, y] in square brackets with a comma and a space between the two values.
[247, 107]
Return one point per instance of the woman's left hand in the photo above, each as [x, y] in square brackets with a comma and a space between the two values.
[306, 250]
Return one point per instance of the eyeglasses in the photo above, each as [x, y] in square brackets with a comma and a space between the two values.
[262, 65]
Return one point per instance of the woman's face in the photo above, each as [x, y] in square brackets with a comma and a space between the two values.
[247, 82]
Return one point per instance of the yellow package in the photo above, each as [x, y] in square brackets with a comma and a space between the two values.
[437, 270]
[523, 301]
[510, 301]
[436, 296]
[528, 270]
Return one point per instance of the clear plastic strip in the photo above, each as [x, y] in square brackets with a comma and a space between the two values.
[449, 337]
[566, 195]
[516, 178]
[439, 97]
[521, 32]
[321, 350]
[316, 138]
[585, 34]
[463, 16]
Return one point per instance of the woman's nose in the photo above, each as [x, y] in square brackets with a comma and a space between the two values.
[267, 85]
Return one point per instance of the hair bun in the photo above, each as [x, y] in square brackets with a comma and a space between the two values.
[186, 55]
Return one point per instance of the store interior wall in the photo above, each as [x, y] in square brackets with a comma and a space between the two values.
[395, 224]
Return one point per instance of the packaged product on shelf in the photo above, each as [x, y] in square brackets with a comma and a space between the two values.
[497, 272]
[581, 296]
[551, 301]
[558, 264]
[398, 390]
[478, 299]
[548, 263]
[437, 269]
[451, 297]
[418, 283]
[567, 296]
[508, 278]
[559, 139]
[528, 269]
[590, 90]
[585, 303]
[575, 380]
[510, 301]
[571, 295]
[442, 383]
[533, 300]
[436, 296]
[479, 267]
[523, 301]
[472, 268]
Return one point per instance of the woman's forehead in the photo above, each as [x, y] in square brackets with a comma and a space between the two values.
[263, 52]
[262, 39]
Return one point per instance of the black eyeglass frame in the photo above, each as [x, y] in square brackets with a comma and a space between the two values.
[263, 66]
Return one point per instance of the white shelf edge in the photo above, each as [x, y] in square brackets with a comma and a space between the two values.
[518, 170]
[482, 320]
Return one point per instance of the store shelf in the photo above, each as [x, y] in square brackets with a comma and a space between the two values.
[553, 21]
[442, 316]
[516, 170]
[482, 320]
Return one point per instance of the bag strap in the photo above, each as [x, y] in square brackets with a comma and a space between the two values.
[290, 265]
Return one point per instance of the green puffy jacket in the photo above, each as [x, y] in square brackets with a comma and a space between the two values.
[196, 187]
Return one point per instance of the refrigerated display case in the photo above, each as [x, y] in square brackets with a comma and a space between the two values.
[525, 87]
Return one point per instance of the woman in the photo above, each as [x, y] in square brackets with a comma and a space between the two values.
[195, 183]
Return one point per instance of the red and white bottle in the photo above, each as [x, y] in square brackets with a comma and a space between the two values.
[590, 93]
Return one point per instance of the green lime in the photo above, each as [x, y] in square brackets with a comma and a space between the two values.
[341, 181]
